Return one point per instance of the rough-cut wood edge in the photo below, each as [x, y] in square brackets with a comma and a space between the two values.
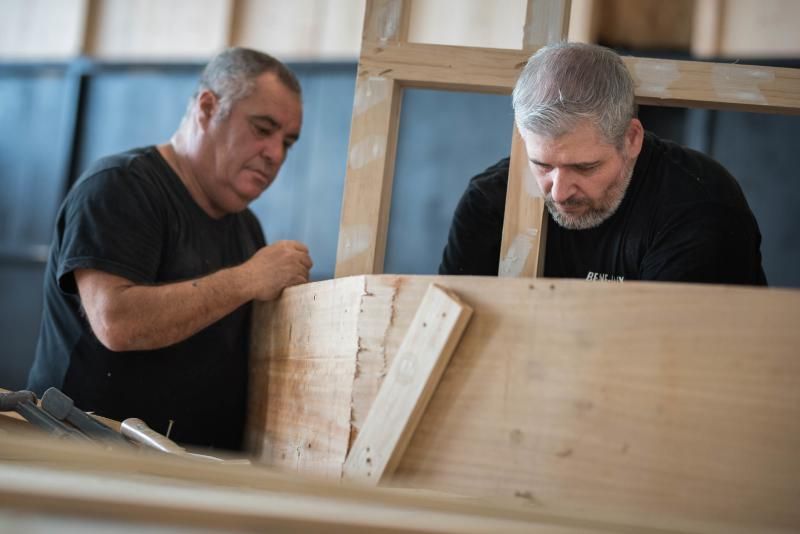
[366, 200]
[409, 384]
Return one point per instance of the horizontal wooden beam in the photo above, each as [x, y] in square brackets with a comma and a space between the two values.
[660, 82]
[455, 68]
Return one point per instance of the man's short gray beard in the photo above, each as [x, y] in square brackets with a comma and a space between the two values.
[594, 217]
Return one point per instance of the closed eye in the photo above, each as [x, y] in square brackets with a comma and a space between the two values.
[262, 131]
[585, 167]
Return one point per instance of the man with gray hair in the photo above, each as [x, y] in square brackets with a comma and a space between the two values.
[156, 260]
[623, 204]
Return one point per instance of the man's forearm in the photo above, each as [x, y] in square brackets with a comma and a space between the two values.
[126, 316]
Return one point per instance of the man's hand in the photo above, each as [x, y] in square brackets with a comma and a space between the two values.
[276, 267]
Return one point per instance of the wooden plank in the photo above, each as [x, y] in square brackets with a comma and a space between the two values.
[715, 85]
[87, 486]
[454, 68]
[634, 399]
[584, 21]
[312, 436]
[371, 152]
[706, 28]
[419, 364]
[522, 247]
[546, 22]
[658, 82]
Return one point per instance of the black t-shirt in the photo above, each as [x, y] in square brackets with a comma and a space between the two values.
[130, 215]
[683, 218]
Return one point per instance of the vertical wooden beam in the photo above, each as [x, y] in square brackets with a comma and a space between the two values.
[546, 21]
[404, 394]
[584, 21]
[371, 153]
[707, 28]
[525, 219]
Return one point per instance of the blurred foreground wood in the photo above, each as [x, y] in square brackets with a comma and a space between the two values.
[55, 483]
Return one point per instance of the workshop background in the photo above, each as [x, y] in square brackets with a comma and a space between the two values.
[80, 79]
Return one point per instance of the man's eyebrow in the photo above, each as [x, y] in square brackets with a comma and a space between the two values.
[274, 123]
[267, 118]
[576, 164]
[585, 163]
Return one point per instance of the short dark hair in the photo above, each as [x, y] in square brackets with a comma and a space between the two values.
[231, 75]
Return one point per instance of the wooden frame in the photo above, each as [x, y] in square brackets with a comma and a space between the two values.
[388, 64]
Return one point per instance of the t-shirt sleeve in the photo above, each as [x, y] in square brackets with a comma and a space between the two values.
[110, 222]
[473, 243]
[706, 243]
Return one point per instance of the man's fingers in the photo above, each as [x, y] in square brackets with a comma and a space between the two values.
[296, 245]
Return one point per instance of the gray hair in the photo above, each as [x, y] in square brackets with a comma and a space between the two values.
[564, 84]
[231, 75]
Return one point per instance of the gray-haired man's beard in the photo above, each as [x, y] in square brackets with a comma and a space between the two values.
[598, 212]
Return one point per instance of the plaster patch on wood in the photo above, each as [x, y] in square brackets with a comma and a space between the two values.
[388, 21]
[655, 77]
[518, 253]
[531, 186]
[356, 239]
[377, 308]
[369, 149]
[371, 92]
[733, 82]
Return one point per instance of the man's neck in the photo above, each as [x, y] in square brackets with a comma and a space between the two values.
[179, 160]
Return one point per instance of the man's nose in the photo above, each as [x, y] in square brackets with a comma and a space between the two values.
[273, 150]
[563, 185]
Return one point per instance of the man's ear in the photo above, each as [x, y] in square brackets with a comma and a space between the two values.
[207, 107]
[634, 138]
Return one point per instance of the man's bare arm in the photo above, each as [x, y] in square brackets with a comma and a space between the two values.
[127, 316]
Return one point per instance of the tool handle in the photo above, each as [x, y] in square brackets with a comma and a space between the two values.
[38, 417]
[137, 430]
[60, 406]
[10, 400]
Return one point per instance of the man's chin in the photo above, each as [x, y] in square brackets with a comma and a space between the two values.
[579, 219]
